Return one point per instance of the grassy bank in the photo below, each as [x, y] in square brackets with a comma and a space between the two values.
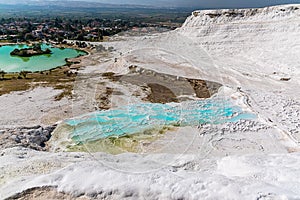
[58, 78]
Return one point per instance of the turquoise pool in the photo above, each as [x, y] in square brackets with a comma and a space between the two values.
[10, 63]
[141, 117]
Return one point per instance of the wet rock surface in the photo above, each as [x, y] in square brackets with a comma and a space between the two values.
[166, 88]
[237, 127]
[33, 137]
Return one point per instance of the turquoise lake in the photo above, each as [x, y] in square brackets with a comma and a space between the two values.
[141, 117]
[10, 63]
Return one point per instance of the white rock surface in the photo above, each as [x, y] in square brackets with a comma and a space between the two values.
[32, 107]
[252, 49]
[157, 176]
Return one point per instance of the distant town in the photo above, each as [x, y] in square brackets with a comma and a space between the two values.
[58, 29]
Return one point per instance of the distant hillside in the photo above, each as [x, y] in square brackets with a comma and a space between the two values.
[212, 4]
[88, 9]
[72, 4]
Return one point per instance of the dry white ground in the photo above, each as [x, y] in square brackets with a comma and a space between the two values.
[33, 107]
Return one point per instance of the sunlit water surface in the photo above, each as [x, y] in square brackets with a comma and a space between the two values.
[10, 63]
[141, 117]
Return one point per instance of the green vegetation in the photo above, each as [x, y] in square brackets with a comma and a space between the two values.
[28, 52]
[60, 78]
[135, 143]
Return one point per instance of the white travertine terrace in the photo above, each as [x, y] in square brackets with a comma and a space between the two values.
[256, 50]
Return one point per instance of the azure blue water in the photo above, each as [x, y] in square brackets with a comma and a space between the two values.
[10, 63]
[141, 117]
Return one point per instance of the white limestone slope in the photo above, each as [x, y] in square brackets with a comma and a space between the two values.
[249, 44]
[158, 176]
[254, 49]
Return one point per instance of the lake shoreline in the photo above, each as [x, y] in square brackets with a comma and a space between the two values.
[60, 56]
[54, 44]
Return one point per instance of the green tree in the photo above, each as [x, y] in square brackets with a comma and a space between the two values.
[24, 73]
[2, 74]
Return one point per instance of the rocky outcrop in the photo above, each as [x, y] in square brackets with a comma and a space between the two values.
[237, 27]
[31, 137]
[244, 42]
[165, 88]
[222, 16]
[227, 15]
[28, 52]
